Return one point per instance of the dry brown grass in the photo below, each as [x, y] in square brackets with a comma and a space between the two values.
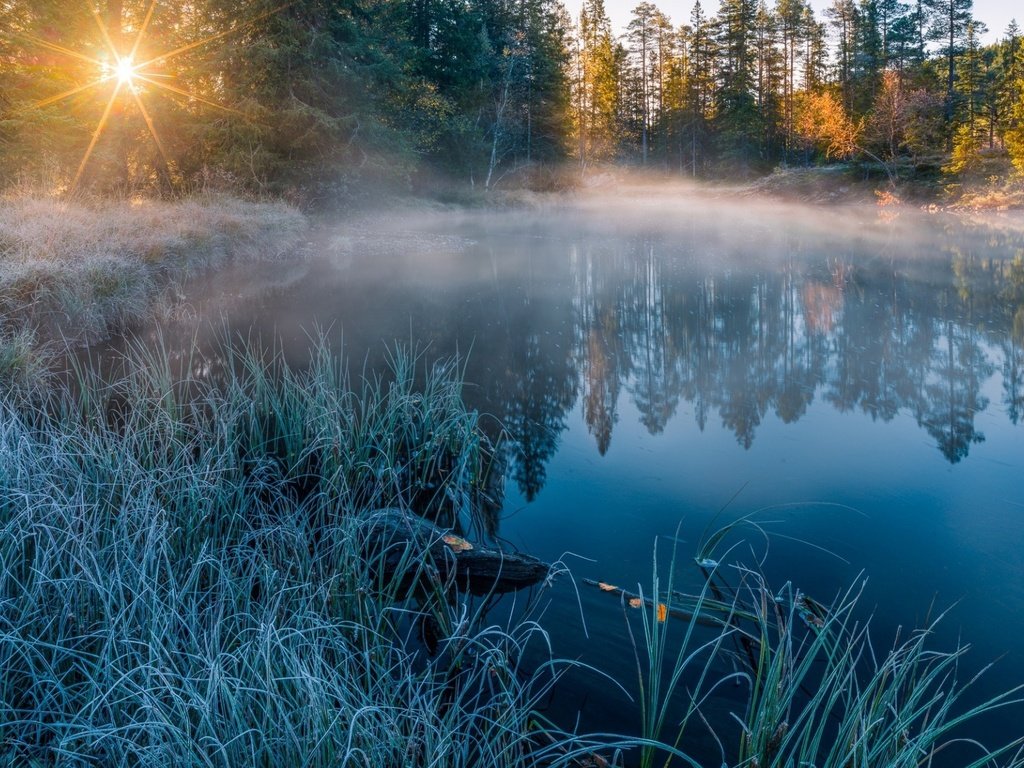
[1007, 196]
[85, 269]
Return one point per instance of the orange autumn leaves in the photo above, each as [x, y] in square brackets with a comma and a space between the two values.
[634, 602]
[457, 543]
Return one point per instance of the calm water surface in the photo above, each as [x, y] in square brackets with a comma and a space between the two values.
[855, 375]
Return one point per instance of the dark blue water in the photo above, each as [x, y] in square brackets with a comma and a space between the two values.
[855, 378]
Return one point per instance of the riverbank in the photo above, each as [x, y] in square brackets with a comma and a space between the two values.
[862, 183]
[85, 269]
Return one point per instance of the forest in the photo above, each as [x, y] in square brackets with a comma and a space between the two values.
[332, 99]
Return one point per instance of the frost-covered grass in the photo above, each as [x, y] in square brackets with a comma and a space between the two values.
[186, 580]
[808, 684]
[85, 268]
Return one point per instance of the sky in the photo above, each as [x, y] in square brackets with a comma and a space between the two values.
[995, 13]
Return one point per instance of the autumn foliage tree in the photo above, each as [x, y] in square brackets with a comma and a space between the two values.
[823, 123]
[887, 125]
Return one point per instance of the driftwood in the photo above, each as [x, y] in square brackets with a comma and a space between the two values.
[402, 545]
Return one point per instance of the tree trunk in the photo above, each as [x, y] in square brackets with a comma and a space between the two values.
[401, 545]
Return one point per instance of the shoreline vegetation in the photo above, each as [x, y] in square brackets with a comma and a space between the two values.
[83, 269]
[189, 580]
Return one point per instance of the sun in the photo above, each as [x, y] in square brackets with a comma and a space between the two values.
[129, 77]
[124, 70]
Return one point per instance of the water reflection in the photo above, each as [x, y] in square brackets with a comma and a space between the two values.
[790, 349]
[870, 337]
[703, 322]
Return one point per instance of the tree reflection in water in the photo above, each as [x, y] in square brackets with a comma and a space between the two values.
[741, 331]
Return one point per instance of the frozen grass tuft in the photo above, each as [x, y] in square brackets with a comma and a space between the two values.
[804, 683]
[184, 579]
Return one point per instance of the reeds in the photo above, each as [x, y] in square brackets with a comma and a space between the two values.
[183, 582]
[807, 684]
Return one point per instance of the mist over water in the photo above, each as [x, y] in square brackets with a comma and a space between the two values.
[857, 374]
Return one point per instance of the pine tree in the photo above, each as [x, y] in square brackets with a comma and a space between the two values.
[792, 32]
[843, 17]
[700, 85]
[597, 85]
[816, 51]
[869, 57]
[971, 83]
[737, 120]
[1014, 135]
[641, 34]
[770, 64]
[889, 12]
[1010, 66]
[948, 22]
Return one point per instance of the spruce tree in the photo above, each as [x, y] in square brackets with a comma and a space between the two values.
[737, 119]
[597, 86]
[642, 34]
[1014, 135]
[948, 22]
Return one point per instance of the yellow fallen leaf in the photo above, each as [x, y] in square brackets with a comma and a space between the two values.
[457, 543]
[662, 611]
[606, 587]
[635, 602]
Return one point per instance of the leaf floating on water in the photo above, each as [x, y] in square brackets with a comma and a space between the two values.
[606, 587]
[635, 602]
[457, 543]
[662, 612]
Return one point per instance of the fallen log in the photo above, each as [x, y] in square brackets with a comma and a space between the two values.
[400, 544]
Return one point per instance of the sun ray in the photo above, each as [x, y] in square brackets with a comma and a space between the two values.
[69, 93]
[142, 31]
[105, 33]
[184, 93]
[152, 128]
[164, 57]
[96, 135]
[59, 49]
